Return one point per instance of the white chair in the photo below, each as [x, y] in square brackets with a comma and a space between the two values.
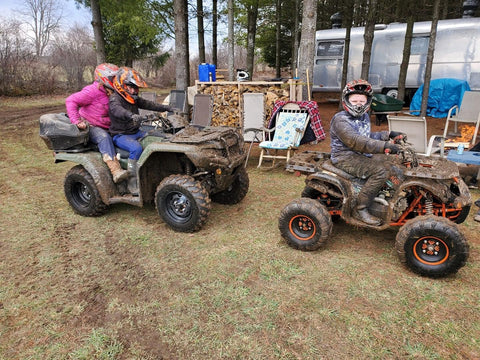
[416, 130]
[202, 110]
[253, 119]
[290, 125]
[468, 112]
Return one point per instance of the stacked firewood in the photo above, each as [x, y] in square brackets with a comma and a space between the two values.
[228, 100]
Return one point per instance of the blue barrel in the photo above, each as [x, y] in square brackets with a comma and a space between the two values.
[203, 72]
[211, 72]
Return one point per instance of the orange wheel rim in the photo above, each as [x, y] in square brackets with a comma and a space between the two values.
[431, 250]
[302, 227]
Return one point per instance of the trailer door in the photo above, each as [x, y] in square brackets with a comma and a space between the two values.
[327, 72]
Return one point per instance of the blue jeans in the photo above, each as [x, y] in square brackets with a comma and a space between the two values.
[130, 143]
[103, 140]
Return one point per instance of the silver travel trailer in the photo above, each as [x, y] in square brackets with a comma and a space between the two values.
[457, 55]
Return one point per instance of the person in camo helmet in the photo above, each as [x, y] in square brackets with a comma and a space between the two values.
[353, 145]
[89, 108]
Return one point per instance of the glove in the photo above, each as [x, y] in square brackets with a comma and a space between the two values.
[138, 119]
[397, 135]
[392, 148]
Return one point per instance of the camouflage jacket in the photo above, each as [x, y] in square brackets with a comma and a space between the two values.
[350, 135]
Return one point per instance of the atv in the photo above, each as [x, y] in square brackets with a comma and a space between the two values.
[182, 169]
[426, 198]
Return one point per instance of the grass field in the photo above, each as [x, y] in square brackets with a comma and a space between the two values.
[125, 286]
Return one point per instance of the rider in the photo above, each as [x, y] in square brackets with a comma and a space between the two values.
[126, 121]
[352, 146]
[89, 107]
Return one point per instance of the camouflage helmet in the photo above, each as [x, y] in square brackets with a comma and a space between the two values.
[362, 87]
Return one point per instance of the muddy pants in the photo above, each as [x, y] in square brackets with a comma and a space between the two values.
[375, 169]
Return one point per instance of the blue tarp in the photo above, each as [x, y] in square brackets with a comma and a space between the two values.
[442, 95]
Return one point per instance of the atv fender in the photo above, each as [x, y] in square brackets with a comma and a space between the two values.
[318, 180]
[93, 163]
[442, 191]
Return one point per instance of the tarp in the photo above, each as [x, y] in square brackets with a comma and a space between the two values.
[443, 94]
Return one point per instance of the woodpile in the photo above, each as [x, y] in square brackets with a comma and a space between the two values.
[228, 99]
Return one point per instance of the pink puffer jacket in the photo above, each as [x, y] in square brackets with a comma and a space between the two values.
[91, 104]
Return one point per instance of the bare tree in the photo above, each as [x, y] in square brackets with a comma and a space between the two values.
[307, 42]
[214, 31]
[368, 37]
[200, 31]
[296, 32]
[43, 18]
[430, 54]
[15, 55]
[231, 42]
[252, 14]
[74, 53]
[98, 31]
[278, 25]
[182, 68]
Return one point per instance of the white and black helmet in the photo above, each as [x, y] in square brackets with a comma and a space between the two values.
[362, 87]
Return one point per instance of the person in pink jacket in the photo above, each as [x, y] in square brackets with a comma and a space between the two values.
[89, 107]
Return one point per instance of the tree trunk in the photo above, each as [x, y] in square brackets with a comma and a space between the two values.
[368, 38]
[430, 54]
[307, 44]
[182, 68]
[200, 31]
[231, 43]
[296, 31]
[346, 50]
[277, 38]
[402, 76]
[98, 31]
[251, 33]
[214, 32]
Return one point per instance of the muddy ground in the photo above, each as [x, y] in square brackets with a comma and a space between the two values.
[150, 292]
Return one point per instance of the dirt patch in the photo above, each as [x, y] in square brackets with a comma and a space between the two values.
[232, 290]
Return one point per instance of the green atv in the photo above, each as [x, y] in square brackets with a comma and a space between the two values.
[182, 169]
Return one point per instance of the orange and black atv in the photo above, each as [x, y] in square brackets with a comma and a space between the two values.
[426, 198]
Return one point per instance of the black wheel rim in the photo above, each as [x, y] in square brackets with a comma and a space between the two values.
[178, 207]
[302, 227]
[431, 250]
[81, 194]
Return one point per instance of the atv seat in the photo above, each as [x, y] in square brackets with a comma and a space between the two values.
[327, 165]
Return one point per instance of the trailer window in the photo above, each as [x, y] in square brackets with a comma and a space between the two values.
[330, 48]
[419, 45]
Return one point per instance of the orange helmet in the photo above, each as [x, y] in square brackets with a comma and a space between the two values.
[104, 74]
[127, 77]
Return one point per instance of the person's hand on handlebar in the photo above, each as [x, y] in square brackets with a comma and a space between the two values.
[392, 148]
[138, 119]
[397, 136]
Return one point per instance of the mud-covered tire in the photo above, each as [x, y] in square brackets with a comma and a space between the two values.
[463, 215]
[236, 191]
[183, 203]
[82, 193]
[305, 224]
[432, 246]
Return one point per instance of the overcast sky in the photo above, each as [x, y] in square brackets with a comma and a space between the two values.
[71, 14]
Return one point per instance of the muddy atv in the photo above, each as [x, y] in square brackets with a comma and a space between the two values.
[182, 169]
[426, 198]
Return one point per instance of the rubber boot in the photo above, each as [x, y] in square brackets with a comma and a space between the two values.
[361, 210]
[132, 180]
[118, 173]
[361, 213]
